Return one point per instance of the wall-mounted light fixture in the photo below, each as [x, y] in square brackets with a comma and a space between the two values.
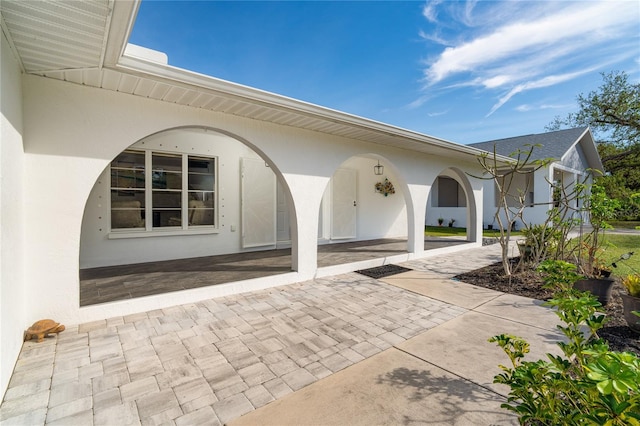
[379, 169]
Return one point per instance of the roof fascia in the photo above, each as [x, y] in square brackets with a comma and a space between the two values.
[199, 82]
[589, 147]
[123, 15]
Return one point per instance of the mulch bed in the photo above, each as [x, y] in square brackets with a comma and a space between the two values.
[529, 284]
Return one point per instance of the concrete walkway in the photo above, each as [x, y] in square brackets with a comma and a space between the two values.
[347, 349]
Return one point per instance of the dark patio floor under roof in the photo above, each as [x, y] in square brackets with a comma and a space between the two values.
[113, 283]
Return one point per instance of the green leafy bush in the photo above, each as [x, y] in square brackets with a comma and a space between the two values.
[588, 385]
[559, 275]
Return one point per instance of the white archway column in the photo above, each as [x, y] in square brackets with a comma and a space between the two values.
[306, 194]
[416, 211]
[475, 208]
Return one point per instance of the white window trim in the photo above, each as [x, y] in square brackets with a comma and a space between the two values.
[149, 230]
[142, 233]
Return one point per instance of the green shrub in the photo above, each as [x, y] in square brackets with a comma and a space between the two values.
[588, 385]
[542, 240]
[558, 275]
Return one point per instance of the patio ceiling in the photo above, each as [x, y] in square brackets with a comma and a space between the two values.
[84, 42]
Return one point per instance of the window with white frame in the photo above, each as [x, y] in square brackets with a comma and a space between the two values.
[450, 193]
[155, 190]
[520, 189]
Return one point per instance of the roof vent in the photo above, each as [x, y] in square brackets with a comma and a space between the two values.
[140, 52]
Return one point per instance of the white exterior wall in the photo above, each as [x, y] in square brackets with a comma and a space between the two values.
[575, 159]
[575, 164]
[447, 213]
[13, 296]
[72, 132]
[377, 216]
[542, 196]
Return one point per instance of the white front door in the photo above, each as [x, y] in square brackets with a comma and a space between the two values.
[344, 204]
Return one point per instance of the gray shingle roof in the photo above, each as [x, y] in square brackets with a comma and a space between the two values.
[552, 144]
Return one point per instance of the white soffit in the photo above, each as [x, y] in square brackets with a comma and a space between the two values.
[54, 35]
[83, 42]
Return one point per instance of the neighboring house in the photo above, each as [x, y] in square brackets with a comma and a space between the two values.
[110, 156]
[573, 158]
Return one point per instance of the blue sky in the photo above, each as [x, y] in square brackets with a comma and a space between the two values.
[465, 71]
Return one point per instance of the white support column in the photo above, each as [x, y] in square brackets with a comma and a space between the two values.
[416, 213]
[306, 194]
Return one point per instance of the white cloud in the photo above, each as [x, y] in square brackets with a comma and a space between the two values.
[437, 114]
[497, 81]
[543, 82]
[538, 44]
[528, 107]
[429, 10]
[578, 26]
[436, 38]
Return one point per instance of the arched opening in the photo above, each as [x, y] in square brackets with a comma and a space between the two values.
[451, 204]
[181, 209]
[363, 215]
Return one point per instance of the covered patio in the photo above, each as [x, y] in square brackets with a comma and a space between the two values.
[109, 284]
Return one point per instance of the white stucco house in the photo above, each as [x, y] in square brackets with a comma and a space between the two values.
[573, 158]
[110, 156]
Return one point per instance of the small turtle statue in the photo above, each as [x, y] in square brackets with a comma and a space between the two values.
[41, 329]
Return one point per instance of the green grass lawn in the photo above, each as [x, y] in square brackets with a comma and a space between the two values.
[616, 245]
[628, 224]
[445, 231]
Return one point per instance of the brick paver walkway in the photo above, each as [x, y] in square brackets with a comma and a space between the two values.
[212, 361]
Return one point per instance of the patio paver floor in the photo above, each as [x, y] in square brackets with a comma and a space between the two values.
[108, 284]
[215, 359]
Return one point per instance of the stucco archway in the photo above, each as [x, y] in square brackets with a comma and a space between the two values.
[452, 201]
[178, 222]
[353, 212]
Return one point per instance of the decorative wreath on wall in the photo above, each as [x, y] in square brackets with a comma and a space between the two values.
[385, 188]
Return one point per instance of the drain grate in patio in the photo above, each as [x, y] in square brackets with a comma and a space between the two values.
[383, 271]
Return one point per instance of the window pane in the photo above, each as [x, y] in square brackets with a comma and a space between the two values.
[205, 198]
[127, 205]
[121, 178]
[201, 173]
[127, 199]
[163, 218]
[200, 217]
[129, 160]
[166, 199]
[166, 162]
[201, 165]
[123, 219]
[166, 180]
[202, 182]
[126, 213]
